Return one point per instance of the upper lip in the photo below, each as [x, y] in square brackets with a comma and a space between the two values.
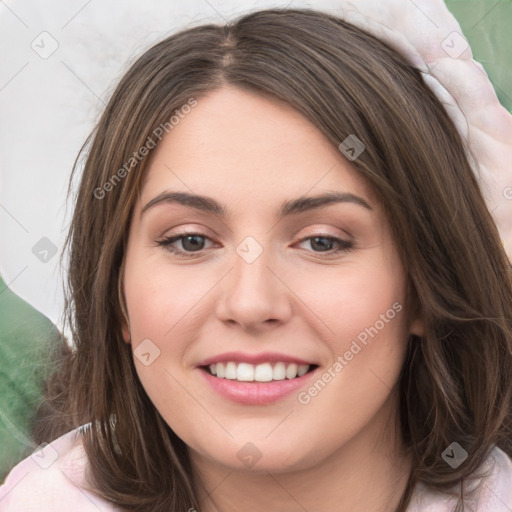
[263, 357]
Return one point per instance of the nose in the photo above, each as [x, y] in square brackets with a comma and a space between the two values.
[254, 294]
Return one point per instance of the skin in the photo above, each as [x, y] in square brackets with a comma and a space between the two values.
[250, 154]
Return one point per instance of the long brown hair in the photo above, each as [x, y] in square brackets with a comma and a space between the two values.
[456, 383]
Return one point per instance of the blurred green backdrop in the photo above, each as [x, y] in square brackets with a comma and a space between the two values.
[487, 25]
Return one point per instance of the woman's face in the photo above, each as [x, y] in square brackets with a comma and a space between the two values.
[271, 283]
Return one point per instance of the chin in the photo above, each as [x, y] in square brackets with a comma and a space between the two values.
[278, 455]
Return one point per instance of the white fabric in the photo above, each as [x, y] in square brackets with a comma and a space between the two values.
[54, 481]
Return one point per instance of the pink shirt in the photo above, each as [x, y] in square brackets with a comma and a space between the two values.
[52, 480]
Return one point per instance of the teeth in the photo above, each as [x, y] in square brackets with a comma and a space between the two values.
[245, 372]
[220, 371]
[302, 369]
[279, 371]
[231, 371]
[265, 372]
[291, 371]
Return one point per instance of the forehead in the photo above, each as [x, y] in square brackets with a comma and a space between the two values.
[248, 145]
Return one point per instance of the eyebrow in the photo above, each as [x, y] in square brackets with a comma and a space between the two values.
[290, 207]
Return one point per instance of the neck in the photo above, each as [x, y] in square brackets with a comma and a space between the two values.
[368, 473]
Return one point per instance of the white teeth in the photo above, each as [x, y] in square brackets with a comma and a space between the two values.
[221, 370]
[302, 370]
[291, 371]
[279, 371]
[265, 372]
[231, 371]
[245, 372]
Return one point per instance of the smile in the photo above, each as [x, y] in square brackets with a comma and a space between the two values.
[265, 372]
[256, 379]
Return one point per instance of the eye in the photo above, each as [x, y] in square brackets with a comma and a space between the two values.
[194, 243]
[191, 243]
[324, 244]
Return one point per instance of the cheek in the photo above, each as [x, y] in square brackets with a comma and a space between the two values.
[366, 315]
[358, 301]
[364, 311]
[161, 312]
[161, 300]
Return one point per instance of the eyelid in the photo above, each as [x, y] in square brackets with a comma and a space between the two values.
[312, 232]
[168, 239]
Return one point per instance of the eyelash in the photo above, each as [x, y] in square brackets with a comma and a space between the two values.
[345, 246]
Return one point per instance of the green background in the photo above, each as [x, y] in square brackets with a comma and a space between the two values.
[487, 26]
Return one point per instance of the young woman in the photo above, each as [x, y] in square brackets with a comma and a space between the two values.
[286, 290]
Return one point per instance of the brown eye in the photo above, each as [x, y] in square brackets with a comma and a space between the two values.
[190, 242]
[322, 243]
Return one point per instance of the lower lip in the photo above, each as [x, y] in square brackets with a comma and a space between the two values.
[255, 393]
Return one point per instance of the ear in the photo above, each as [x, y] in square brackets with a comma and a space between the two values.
[417, 327]
[414, 313]
[126, 332]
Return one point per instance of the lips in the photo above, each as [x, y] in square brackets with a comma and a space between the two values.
[255, 379]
